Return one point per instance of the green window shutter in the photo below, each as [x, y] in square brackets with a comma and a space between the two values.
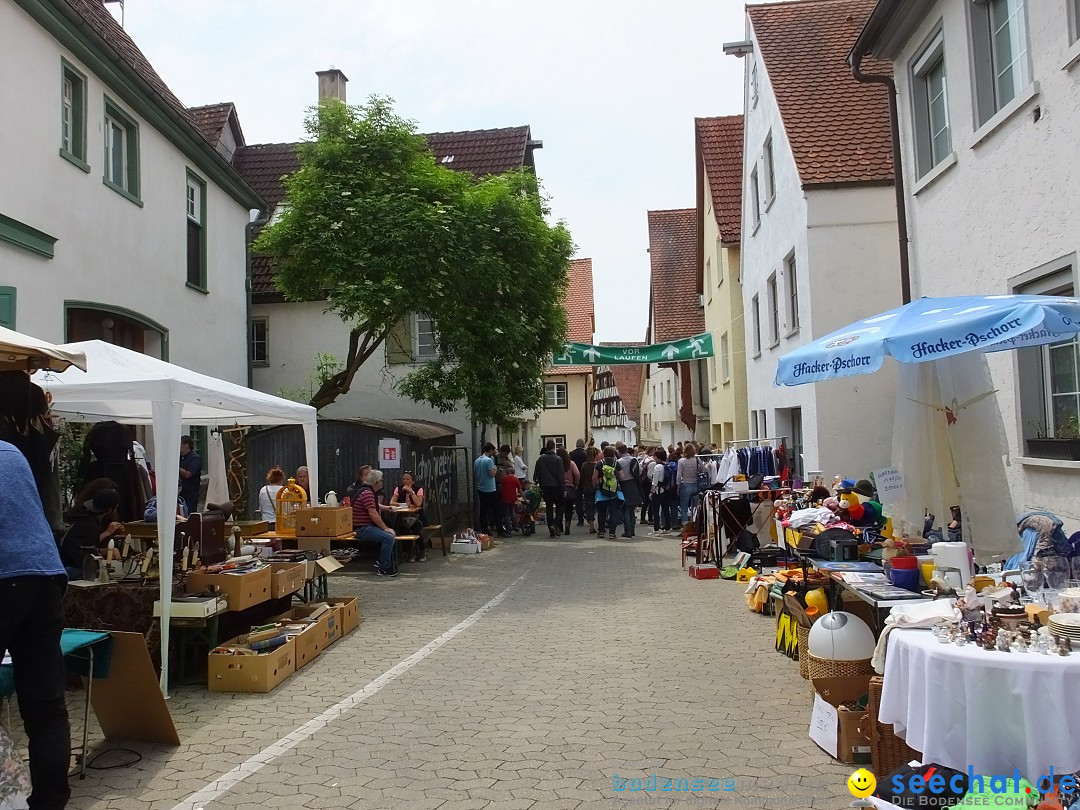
[7, 307]
[399, 343]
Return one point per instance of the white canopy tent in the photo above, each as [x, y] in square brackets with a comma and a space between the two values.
[136, 389]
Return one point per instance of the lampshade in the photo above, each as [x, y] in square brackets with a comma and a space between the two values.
[840, 636]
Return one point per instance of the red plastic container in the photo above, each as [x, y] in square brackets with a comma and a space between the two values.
[704, 572]
[900, 563]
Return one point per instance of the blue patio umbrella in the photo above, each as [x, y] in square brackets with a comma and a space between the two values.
[931, 329]
[949, 440]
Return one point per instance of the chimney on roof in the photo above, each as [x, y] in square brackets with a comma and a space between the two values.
[331, 84]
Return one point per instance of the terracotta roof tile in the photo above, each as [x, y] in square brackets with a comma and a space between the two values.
[479, 152]
[720, 148]
[580, 316]
[673, 237]
[211, 119]
[838, 128]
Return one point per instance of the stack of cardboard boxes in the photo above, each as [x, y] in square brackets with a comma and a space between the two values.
[262, 659]
[318, 526]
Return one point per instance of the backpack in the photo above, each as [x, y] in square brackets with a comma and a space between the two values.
[671, 474]
[702, 476]
[609, 485]
[644, 479]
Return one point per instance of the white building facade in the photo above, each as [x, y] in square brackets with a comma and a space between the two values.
[989, 108]
[819, 242]
[118, 220]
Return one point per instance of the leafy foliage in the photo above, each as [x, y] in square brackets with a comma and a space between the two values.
[378, 229]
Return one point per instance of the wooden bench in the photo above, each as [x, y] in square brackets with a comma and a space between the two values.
[398, 540]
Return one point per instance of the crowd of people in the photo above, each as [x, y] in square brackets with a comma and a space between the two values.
[603, 487]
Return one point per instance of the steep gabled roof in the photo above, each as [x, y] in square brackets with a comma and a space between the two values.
[720, 152]
[580, 315]
[838, 128]
[478, 152]
[675, 303]
[628, 382]
[211, 120]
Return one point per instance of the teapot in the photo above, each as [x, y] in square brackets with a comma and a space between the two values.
[331, 498]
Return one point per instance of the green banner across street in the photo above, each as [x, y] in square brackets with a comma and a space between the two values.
[582, 354]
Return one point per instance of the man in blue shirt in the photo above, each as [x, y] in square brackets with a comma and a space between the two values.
[486, 490]
[190, 474]
[32, 585]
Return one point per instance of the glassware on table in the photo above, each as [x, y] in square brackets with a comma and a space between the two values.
[1031, 575]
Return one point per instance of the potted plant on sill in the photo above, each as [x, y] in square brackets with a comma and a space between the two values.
[1064, 445]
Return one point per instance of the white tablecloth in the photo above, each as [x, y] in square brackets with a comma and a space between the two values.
[994, 711]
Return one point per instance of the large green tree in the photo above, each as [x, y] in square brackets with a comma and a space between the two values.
[378, 229]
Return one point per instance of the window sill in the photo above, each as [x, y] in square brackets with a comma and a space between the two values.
[934, 173]
[1049, 463]
[123, 192]
[774, 344]
[756, 228]
[769, 202]
[792, 333]
[70, 158]
[1072, 56]
[197, 288]
[756, 355]
[727, 382]
[1005, 113]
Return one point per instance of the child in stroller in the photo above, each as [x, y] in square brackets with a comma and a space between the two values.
[525, 510]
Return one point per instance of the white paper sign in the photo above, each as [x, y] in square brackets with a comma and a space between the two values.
[389, 454]
[823, 725]
[890, 485]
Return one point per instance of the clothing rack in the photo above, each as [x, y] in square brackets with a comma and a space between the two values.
[758, 441]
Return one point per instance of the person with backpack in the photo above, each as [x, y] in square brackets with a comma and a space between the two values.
[548, 475]
[609, 495]
[645, 463]
[661, 486]
[629, 475]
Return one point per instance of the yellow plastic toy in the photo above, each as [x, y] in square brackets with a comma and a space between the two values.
[817, 599]
[745, 575]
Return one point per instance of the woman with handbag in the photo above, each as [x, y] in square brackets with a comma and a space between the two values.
[275, 480]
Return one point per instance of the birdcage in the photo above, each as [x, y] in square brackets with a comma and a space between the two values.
[290, 498]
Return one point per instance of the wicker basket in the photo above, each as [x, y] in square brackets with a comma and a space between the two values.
[803, 636]
[887, 751]
[828, 668]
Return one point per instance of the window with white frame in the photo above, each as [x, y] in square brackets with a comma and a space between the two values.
[1000, 45]
[725, 359]
[755, 84]
[555, 395]
[424, 347]
[669, 391]
[712, 372]
[560, 441]
[930, 99]
[121, 152]
[719, 262]
[1048, 377]
[755, 199]
[260, 341]
[708, 277]
[195, 205]
[1074, 20]
[73, 114]
[767, 166]
[654, 402]
[755, 313]
[774, 310]
[791, 294]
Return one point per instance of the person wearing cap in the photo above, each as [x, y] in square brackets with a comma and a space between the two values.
[92, 524]
[32, 585]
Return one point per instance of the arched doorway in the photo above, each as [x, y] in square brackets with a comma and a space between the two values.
[86, 320]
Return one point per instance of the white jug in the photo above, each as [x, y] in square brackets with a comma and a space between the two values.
[331, 498]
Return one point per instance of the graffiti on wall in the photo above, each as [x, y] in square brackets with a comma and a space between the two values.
[436, 473]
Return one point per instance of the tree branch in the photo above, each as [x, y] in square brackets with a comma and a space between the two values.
[362, 344]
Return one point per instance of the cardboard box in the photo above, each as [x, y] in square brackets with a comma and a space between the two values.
[313, 639]
[348, 613]
[464, 547]
[841, 731]
[287, 579]
[250, 673]
[323, 565]
[323, 521]
[704, 572]
[194, 607]
[242, 590]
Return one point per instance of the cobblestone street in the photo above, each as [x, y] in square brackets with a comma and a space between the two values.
[602, 661]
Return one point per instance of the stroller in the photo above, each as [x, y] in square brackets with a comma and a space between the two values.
[525, 512]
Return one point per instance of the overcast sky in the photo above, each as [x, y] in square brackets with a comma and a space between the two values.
[611, 88]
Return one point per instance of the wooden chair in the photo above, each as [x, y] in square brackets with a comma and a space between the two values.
[431, 530]
[402, 538]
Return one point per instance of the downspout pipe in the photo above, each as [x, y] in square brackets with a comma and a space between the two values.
[855, 60]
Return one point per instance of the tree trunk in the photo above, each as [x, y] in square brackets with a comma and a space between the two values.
[362, 344]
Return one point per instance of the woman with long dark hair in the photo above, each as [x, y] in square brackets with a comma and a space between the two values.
[571, 482]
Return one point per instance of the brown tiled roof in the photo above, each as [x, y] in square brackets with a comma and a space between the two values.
[720, 149]
[838, 128]
[580, 316]
[673, 237]
[211, 119]
[628, 381]
[480, 152]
